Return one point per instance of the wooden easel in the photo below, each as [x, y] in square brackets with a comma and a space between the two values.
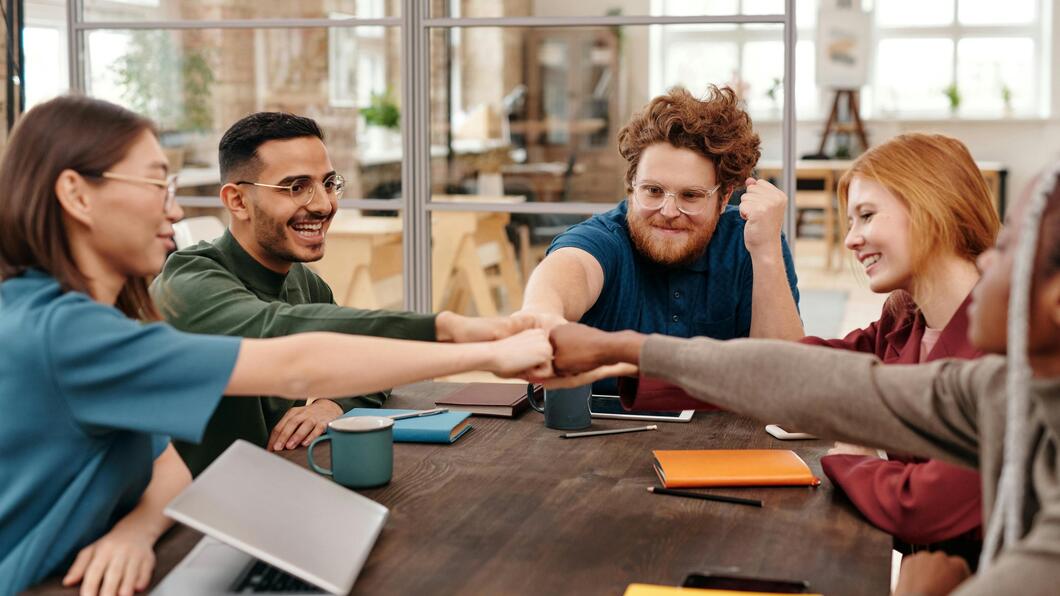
[834, 125]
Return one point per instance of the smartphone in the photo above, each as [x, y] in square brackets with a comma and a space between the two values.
[784, 435]
[745, 584]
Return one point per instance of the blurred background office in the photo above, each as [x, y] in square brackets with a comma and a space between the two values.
[514, 106]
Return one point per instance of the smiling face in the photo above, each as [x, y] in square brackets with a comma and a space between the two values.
[668, 236]
[285, 232]
[130, 232]
[879, 235]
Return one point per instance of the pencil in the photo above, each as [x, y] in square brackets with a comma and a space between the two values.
[614, 431]
[684, 493]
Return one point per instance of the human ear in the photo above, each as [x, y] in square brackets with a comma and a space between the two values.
[70, 188]
[235, 201]
[1049, 298]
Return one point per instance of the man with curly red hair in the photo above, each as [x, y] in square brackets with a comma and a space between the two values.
[686, 267]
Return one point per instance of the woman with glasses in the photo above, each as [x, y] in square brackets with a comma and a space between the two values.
[92, 387]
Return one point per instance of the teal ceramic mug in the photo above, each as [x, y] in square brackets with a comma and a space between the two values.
[362, 451]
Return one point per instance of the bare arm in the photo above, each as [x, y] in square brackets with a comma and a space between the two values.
[123, 559]
[773, 312]
[333, 365]
[567, 283]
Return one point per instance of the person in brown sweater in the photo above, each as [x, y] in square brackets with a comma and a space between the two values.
[1000, 414]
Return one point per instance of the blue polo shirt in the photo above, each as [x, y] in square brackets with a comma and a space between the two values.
[89, 398]
[709, 297]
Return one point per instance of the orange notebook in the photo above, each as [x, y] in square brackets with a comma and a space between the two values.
[732, 467]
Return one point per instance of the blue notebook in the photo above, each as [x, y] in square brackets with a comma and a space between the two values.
[440, 428]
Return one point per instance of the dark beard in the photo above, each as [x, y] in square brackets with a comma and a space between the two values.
[667, 254]
[272, 237]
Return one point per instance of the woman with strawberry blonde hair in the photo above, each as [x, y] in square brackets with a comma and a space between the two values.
[920, 214]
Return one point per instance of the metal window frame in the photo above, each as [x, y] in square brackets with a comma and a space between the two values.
[416, 24]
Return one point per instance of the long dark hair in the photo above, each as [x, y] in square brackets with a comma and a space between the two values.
[69, 132]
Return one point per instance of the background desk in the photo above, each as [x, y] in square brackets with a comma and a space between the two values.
[513, 509]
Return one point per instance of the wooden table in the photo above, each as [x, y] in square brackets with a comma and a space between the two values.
[513, 509]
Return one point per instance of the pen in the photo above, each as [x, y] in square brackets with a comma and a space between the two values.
[684, 493]
[615, 431]
[418, 414]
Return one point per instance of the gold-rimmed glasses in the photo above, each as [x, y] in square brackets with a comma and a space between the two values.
[690, 201]
[169, 184]
[302, 190]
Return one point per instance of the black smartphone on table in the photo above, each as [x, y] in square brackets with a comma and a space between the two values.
[745, 584]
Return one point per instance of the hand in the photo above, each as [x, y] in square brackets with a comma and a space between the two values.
[120, 562]
[604, 372]
[930, 574]
[763, 206]
[528, 353]
[299, 426]
[848, 449]
[541, 320]
[578, 348]
[450, 326]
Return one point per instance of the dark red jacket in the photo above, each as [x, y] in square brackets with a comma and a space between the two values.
[918, 501]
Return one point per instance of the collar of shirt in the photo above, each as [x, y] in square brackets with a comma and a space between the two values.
[252, 273]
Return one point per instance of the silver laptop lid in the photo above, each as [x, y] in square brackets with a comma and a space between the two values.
[283, 514]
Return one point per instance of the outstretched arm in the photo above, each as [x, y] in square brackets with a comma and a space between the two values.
[566, 284]
[332, 365]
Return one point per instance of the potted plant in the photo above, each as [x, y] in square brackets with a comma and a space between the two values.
[1006, 97]
[382, 118]
[953, 94]
[773, 93]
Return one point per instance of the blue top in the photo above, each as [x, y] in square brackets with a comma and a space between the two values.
[88, 397]
[709, 297]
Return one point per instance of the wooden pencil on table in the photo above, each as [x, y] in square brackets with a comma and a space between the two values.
[691, 495]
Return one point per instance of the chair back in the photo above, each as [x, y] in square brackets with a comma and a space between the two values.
[191, 231]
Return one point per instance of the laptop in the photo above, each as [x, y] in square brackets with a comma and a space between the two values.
[271, 526]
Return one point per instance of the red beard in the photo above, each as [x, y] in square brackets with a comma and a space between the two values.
[670, 252]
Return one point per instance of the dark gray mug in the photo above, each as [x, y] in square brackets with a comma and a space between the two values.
[362, 451]
[565, 409]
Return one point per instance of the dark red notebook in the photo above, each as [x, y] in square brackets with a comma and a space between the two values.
[488, 399]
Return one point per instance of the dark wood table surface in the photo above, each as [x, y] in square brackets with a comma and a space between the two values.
[513, 509]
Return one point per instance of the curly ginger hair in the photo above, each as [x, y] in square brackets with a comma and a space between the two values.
[715, 127]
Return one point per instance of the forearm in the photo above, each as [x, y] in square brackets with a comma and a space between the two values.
[168, 478]
[830, 393]
[319, 364]
[773, 311]
[564, 285]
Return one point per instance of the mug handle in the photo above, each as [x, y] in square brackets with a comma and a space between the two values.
[530, 396]
[309, 455]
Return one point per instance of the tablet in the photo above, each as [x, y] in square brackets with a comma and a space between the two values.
[610, 406]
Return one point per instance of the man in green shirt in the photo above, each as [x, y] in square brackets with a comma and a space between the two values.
[281, 193]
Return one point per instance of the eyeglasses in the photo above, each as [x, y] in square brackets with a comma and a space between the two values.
[169, 184]
[690, 201]
[303, 189]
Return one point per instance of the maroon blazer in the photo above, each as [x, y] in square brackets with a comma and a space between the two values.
[918, 501]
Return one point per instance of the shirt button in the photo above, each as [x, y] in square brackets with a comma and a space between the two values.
[676, 318]
[677, 294]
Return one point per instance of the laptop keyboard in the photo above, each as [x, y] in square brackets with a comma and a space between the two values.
[262, 577]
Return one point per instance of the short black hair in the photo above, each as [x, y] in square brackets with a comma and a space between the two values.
[239, 145]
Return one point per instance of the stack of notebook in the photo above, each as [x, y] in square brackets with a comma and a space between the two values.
[488, 399]
[439, 428]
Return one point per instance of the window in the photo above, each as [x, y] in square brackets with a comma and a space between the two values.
[750, 57]
[991, 52]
